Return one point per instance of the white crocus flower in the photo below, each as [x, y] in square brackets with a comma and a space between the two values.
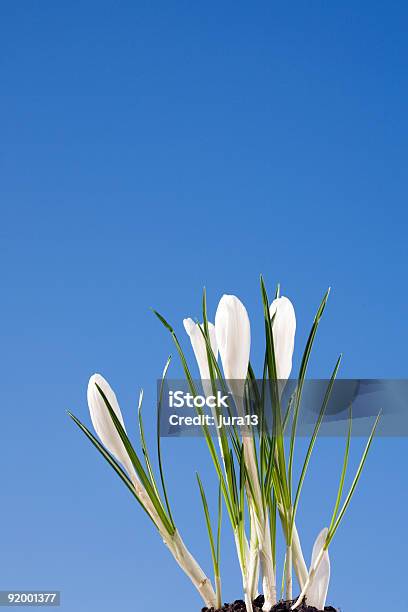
[283, 328]
[199, 345]
[107, 433]
[319, 573]
[102, 422]
[233, 333]
[195, 332]
[109, 436]
[283, 316]
[200, 351]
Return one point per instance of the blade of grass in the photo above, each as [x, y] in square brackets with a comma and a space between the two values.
[313, 439]
[301, 379]
[109, 459]
[144, 445]
[144, 478]
[353, 485]
[208, 524]
[274, 392]
[272, 524]
[219, 523]
[158, 439]
[343, 471]
[207, 435]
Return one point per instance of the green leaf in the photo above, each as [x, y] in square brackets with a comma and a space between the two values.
[274, 393]
[144, 446]
[109, 459]
[301, 379]
[208, 523]
[313, 440]
[158, 438]
[219, 523]
[145, 481]
[207, 435]
[347, 501]
[343, 471]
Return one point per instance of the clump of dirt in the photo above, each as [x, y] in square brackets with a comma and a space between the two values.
[281, 606]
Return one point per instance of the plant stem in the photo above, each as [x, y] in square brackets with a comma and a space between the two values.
[253, 562]
[297, 553]
[243, 554]
[310, 577]
[267, 565]
[218, 591]
[262, 524]
[191, 568]
[288, 572]
[298, 558]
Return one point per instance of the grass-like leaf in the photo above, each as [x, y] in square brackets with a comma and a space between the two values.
[301, 380]
[144, 445]
[208, 523]
[313, 439]
[144, 478]
[207, 434]
[350, 494]
[158, 441]
[109, 459]
[343, 471]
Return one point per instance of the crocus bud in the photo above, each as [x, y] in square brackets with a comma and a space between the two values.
[316, 593]
[233, 333]
[102, 420]
[199, 345]
[283, 329]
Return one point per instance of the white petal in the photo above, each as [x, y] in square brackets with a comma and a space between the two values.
[213, 338]
[318, 545]
[189, 325]
[102, 421]
[199, 345]
[316, 594]
[284, 329]
[233, 333]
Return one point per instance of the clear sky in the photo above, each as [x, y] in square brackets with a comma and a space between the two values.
[148, 149]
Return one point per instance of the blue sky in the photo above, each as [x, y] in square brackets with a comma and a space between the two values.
[146, 150]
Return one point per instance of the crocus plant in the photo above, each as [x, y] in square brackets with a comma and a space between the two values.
[254, 466]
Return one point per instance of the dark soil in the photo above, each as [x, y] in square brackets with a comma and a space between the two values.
[281, 606]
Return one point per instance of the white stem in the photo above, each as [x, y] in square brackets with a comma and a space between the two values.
[297, 554]
[176, 546]
[145, 499]
[268, 570]
[248, 600]
[253, 573]
[262, 523]
[309, 579]
[190, 567]
[288, 572]
[243, 562]
[218, 591]
[253, 560]
[298, 558]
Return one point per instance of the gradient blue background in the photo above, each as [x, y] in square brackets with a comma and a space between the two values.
[147, 149]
